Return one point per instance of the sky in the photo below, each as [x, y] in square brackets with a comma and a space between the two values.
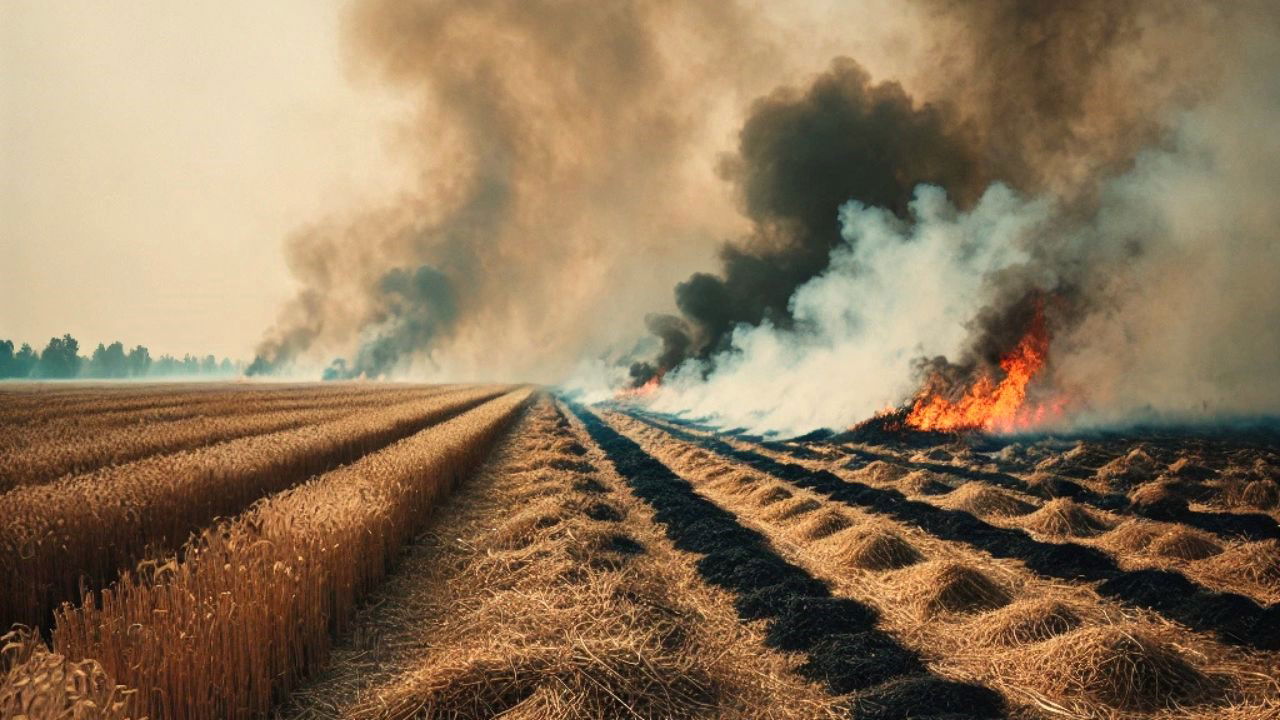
[154, 155]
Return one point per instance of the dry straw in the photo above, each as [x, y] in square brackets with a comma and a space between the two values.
[1064, 517]
[249, 610]
[1118, 667]
[88, 528]
[1029, 621]
[824, 524]
[984, 500]
[1184, 544]
[945, 586]
[876, 547]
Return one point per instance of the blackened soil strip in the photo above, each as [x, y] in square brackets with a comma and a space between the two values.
[838, 635]
[1234, 618]
[1248, 526]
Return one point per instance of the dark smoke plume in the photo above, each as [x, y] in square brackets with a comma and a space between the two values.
[1129, 168]
[1046, 97]
[801, 155]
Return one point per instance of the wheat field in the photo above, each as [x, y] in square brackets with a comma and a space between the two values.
[482, 551]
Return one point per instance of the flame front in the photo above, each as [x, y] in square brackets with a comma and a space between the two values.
[988, 404]
[650, 387]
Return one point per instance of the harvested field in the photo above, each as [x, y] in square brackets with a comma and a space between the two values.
[993, 605]
[487, 551]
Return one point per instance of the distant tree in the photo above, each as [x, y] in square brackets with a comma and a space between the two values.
[60, 358]
[6, 358]
[165, 365]
[108, 362]
[24, 363]
[227, 367]
[97, 362]
[138, 362]
[209, 366]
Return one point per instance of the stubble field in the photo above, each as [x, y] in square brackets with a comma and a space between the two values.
[397, 551]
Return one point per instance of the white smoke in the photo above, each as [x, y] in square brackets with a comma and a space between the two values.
[895, 291]
[1176, 272]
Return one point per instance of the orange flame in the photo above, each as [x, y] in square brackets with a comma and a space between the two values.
[646, 389]
[991, 405]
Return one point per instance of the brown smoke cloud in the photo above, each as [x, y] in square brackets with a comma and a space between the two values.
[1132, 135]
[1047, 97]
[578, 159]
[561, 147]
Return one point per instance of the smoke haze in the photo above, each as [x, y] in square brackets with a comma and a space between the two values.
[807, 234]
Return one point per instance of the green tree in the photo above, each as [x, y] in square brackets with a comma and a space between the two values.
[24, 362]
[60, 358]
[97, 362]
[138, 362]
[6, 358]
[108, 361]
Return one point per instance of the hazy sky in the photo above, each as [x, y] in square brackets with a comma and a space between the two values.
[154, 154]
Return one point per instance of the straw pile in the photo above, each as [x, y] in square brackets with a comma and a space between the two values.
[1118, 667]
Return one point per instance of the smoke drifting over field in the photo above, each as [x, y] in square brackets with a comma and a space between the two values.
[1099, 167]
[1127, 217]
[558, 145]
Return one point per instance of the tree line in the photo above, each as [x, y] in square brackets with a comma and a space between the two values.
[61, 359]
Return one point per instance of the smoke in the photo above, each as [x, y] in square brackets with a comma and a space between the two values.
[838, 233]
[1045, 97]
[1157, 282]
[560, 146]
[1062, 95]
[896, 289]
[801, 154]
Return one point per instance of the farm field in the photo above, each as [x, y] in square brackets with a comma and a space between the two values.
[479, 551]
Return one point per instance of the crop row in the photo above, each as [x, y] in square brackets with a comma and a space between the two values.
[844, 648]
[43, 453]
[1171, 537]
[86, 529]
[249, 609]
[1040, 642]
[1236, 619]
[36, 405]
[101, 411]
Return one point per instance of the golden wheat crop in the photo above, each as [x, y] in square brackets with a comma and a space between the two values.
[89, 527]
[24, 405]
[249, 609]
[43, 452]
[36, 684]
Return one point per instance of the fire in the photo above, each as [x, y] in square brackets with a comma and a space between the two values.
[991, 405]
[646, 389]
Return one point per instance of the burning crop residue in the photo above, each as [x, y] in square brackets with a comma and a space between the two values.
[991, 403]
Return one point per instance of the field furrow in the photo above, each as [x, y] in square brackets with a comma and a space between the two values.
[545, 590]
[248, 610]
[1135, 542]
[843, 639]
[31, 409]
[1229, 524]
[48, 453]
[1235, 618]
[23, 429]
[1051, 648]
[86, 529]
